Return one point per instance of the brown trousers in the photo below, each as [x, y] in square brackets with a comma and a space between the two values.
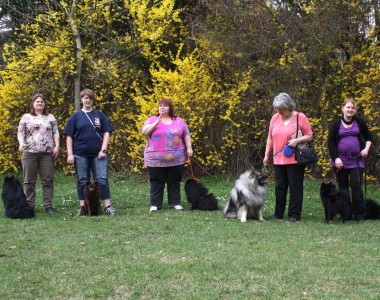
[31, 164]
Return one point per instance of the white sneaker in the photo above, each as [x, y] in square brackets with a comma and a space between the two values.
[178, 207]
[153, 209]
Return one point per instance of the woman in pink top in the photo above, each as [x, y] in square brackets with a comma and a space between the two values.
[165, 153]
[282, 132]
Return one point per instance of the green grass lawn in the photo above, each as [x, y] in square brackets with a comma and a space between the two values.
[185, 255]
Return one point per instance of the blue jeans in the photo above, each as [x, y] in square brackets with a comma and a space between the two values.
[99, 170]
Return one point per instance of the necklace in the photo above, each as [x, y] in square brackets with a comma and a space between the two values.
[347, 122]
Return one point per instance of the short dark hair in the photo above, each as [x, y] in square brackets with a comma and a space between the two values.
[32, 110]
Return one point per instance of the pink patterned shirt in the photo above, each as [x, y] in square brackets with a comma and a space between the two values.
[37, 133]
[166, 146]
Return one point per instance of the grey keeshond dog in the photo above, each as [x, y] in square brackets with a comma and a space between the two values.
[248, 196]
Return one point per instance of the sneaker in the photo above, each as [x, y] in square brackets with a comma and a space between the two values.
[153, 209]
[178, 207]
[110, 211]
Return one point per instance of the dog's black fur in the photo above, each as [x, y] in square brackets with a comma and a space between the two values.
[372, 209]
[92, 204]
[338, 202]
[199, 197]
[335, 202]
[15, 204]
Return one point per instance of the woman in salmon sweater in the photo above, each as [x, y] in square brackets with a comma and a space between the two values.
[288, 175]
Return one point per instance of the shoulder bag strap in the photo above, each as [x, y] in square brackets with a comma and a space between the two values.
[93, 126]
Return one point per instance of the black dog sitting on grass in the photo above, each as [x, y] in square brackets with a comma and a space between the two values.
[199, 196]
[15, 204]
[335, 202]
[338, 202]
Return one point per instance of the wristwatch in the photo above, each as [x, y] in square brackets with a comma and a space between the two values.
[104, 150]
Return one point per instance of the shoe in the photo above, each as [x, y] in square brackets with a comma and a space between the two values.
[178, 207]
[110, 211]
[49, 210]
[153, 209]
[292, 220]
[360, 220]
[274, 217]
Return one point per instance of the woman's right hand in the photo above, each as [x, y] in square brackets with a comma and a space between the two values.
[338, 163]
[20, 148]
[266, 160]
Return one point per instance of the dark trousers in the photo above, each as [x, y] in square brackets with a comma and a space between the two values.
[352, 178]
[289, 176]
[158, 177]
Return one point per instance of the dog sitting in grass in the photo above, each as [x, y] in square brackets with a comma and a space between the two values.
[199, 197]
[92, 205]
[335, 202]
[338, 202]
[15, 204]
[248, 196]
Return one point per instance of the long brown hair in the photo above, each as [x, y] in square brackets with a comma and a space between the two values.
[32, 110]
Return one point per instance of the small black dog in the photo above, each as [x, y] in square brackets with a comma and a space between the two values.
[372, 209]
[335, 202]
[15, 204]
[199, 197]
[92, 205]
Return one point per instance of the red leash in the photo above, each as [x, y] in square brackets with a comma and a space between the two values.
[191, 168]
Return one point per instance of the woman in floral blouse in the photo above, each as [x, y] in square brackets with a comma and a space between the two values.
[38, 138]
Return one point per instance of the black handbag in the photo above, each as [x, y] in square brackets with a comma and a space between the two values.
[305, 155]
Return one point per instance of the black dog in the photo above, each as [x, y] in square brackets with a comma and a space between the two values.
[335, 202]
[199, 197]
[92, 205]
[15, 204]
[372, 209]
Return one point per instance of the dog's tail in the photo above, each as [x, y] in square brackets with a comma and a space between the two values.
[231, 209]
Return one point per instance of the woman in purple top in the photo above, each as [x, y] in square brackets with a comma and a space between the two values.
[165, 153]
[349, 141]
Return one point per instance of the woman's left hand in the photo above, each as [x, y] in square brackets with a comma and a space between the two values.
[292, 143]
[189, 152]
[55, 152]
[101, 154]
[364, 153]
